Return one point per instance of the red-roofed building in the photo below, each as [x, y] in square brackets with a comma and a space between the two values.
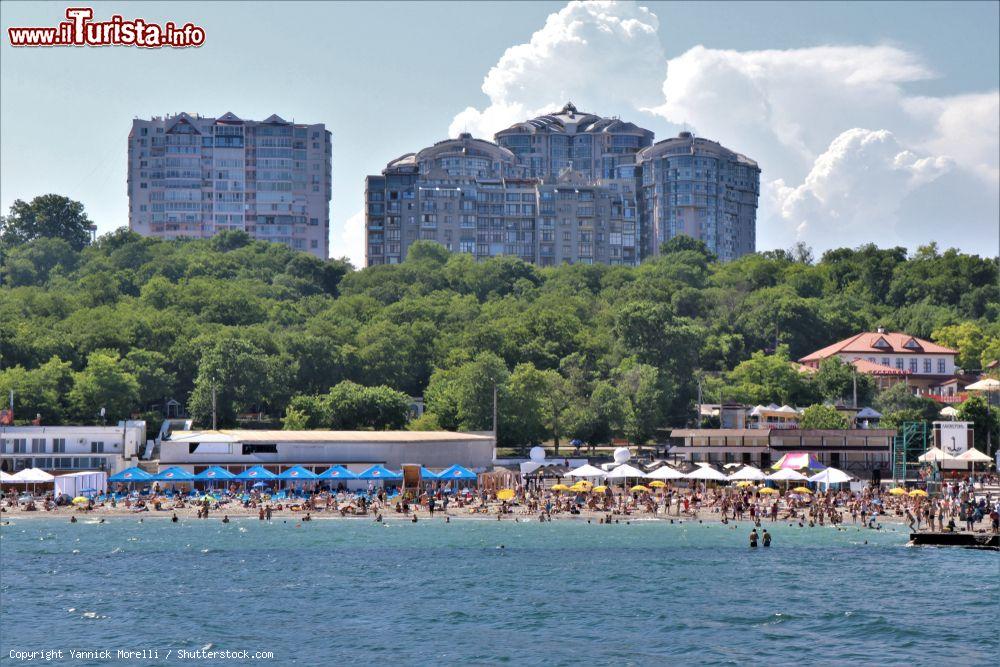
[891, 358]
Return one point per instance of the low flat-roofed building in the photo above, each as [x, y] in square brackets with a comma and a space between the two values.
[858, 451]
[58, 449]
[237, 450]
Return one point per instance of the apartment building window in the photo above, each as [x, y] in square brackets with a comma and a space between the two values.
[913, 365]
[20, 445]
[941, 366]
[313, 244]
[927, 365]
[899, 364]
[885, 361]
[58, 445]
[97, 448]
[38, 445]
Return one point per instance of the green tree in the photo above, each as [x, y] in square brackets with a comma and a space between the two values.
[899, 404]
[46, 216]
[151, 370]
[523, 406]
[353, 406]
[986, 423]
[294, 420]
[32, 263]
[836, 381]
[104, 383]
[971, 340]
[768, 378]
[237, 370]
[40, 391]
[822, 417]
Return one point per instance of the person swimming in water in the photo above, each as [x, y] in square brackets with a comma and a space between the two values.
[174, 518]
[753, 538]
[225, 519]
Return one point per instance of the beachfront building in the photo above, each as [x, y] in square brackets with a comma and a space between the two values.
[892, 357]
[560, 188]
[699, 188]
[237, 450]
[61, 449]
[858, 451]
[190, 176]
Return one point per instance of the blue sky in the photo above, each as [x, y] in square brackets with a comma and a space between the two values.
[871, 121]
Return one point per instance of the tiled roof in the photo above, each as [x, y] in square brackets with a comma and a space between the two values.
[871, 368]
[873, 342]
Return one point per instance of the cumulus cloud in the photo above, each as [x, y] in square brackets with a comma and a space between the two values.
[964, 126]
[587, 52]
[350, 240]
[856, 188]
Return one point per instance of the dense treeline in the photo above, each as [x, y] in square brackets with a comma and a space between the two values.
[575, 351]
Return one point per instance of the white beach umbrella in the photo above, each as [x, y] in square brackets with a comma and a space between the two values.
[949, 411]
[748, 473]
[625, 471]
[831, 476]
[787, 475]
[707, 473]
[973, 455]
[666, 472]
[935, 454]
[33, 476]
[986, 384]
[587, 471]
[4, 477]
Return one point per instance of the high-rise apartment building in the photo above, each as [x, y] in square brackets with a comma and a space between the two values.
[564, 187]
[697, 187]
[193, 177]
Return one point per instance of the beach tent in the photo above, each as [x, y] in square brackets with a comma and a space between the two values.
[666, 472]
[297, 474]
[457, 472]
[174, 474]
[625, 471]
[831, 476]
[787, 475]
[427, 473]
[4, 477]
[337, 472]
[81, 483]
[798, 461]
[256, 473]
[586, 470]
[133, 475]
[747, 473]
[935, 454]
[213, 474]
[380, 472]
[706, 473]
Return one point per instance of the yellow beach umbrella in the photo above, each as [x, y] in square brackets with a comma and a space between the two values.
[584, 483]
[768, 490]
[657, 484]
[560, 487]
[579, 488]
[801, 489]
[505, 494]
[599, 489]
[918, 493]
[745, 483]
[897, 491]
[639, 488]
[80, 500]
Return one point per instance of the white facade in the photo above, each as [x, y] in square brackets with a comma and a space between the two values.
[914, 363]
[69, 448]
[237, 450]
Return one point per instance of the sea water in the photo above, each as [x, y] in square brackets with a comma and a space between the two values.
[487, 592]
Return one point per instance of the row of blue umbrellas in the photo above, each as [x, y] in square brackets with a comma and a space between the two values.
[295, 473]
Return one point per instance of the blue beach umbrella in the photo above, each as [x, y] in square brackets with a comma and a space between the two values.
[214, 473]
[133, 475]
[427, 474]
[337, 472]
[256, 473]
[380, 472]
[457, 472]
[297, 473]
[174, 474]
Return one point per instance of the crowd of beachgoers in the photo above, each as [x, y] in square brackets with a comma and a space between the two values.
[959, 506]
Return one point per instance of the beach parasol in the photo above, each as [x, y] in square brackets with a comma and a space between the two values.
[935, 454]
[787, 475]
[744, 483]
[801, 489]
[625, 471]
[918, 493]
[706, 473]
[505, 494]
[80, 500]
[831, 476]
[767, 490]
[747, 473]
[897, 491]
[665, 472]
[949, 411]
[797, 461]
[586, 471]
[639, 488]
[560, 487]
[599, 489]
[973, 455]
[657, 484]
[986, 384]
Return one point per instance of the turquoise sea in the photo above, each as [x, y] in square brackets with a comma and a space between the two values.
[485, 592]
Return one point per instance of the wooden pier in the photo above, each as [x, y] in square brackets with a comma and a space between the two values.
[964, 539]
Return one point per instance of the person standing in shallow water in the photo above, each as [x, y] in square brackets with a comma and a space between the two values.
[767, 538]
[753, 538]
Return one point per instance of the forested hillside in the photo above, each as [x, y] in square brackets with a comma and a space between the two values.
[576, 351]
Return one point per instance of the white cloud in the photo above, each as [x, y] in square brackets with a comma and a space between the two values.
[855, 188]
[350, 241]
[597, 54]
[964, 126]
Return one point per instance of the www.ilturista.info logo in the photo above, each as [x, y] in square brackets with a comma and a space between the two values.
[80, 30]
